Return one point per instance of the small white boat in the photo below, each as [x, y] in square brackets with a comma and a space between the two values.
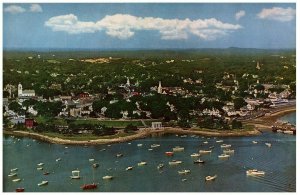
[43, 183]
[129, 168]
[288, 132]
[39, 168]
[58, 159]
[107, 177]
[40, 164]
[129, 143]
[225, 146]
[219, 141]
[268, 144]
[75, 174]
[155, 145]
[228, 151]
[140, 145]
[224, 156]
[119, 155]
[204, 151]
[255, 172]
[195, 155]
[91, 160]
[66, 147]
[183, 136]
[175, 162]
[184, 180]
[13, 170]
[16, 180]
[12, 174]
[178, 149]
[210, 178]
[103, 149]
[150, 149]
[160, 166]
[185, 171]
[254, 142]
[142, 163]
[206, 142]
[198, 161]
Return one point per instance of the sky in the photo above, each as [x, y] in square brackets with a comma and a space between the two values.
[149, 25]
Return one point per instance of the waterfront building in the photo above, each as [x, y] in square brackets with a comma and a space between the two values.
[156, 125]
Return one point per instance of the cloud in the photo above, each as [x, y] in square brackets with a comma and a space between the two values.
[240, 14]
[278, 14]
[36, 8]
[14, 9]
[124, 26]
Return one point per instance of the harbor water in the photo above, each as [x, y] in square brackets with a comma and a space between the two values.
[278, 162]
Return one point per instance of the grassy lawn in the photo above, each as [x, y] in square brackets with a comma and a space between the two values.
[113, 123]
[85, 137]
[245, 128]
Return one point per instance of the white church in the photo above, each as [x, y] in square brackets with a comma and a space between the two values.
[25, 93]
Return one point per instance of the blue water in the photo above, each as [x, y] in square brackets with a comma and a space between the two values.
[279, 163]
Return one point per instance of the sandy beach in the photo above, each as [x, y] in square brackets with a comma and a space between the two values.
[261, 123]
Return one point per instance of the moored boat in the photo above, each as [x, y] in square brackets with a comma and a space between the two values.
[204, 151]
[185, 171]
[254, 142]
[224, 156]
[198, 161]
[95, 165]
[219, 141]
[13, 170]
[268, 144]
[175, 162]
[142, 163]
[228, 151]
[255, 172]
[89, 186]
[46, 173]
[75, 174]
[91, 160]
[129, 168]
[107, 177]
[195, 155]
[39, 168]
[206, 142]
[169, 153]
[20, 189]
[210, 178]
[160, 166]
[40, 164]
[12, 174]
[58, 159]
[16, 180]
[178, 149]
[155, 145]
[119, 155]
[225, 146]
[140, 145]
[43, 183]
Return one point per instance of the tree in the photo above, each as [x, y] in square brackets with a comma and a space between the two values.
[130, 128]
[238, 103]
[236, 124]
[16, 107]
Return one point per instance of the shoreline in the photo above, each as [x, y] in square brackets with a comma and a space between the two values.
[260, 124]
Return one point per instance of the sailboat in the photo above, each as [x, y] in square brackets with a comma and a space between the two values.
[75, 174]
[89, 186]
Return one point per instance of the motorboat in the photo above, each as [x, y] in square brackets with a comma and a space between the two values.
[150, 149]
[255, 172]
[129, 143]
[142, 163]
[210, 178]
[219, 141]
[254, 142]
[178, 149]
[39, 168]
[224, 156]
[75, 174]
[175, 162]
[40, 164]
[95, 165]
[205, 151]
[46, 173]
[119, 155]
[140, 145]
[13, 170]
[91, 160]
[225, 146]
[12, 174]
[20, 189]
[107, 177]
[16, 180]
[206, 142]
[58, 159]
[268, 144]
[183, 136]
[129, 168]
[89, 186]
[228, 151]
[160, 166]
[155, 145]
[184, 180]
[43, 183]
[195, 155]
[185, 171]
[198, 161]
[169, 153]
[288, 132]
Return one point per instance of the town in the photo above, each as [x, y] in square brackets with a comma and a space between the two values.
[69, 95]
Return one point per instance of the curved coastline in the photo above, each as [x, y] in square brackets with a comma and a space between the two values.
[261, 123]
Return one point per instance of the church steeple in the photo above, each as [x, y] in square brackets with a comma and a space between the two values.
[159, 89]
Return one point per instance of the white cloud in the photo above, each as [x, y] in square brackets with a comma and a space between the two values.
[240, 14]
[124, 26]
[36, 8]
[14, 9]
[278, 14]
